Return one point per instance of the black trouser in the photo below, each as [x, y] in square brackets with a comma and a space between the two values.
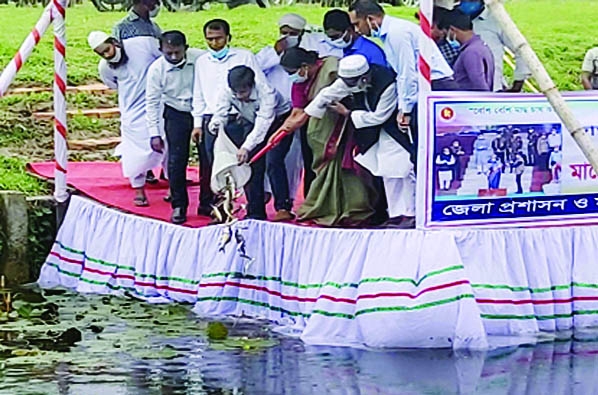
[178, 126]
[413, 126]
[206, 159]
[308, 158]
[237, 131]
[518, 181]
[277, 169]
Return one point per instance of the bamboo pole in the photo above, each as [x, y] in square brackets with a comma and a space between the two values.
[547, 86]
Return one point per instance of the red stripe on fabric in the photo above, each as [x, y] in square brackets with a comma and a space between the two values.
[18, 61]
[538, 302]
[60, 168]
[425, 24]
[332, 298]
[126, 276]
[63, 258]
[412, 296]
[59, 8]
[59, 47]
[424, 68]
[36, 35]
[167, 288]
[60, 128]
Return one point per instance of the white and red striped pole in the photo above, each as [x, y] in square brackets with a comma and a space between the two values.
[60, 129]
[8, 74]
[425, 49]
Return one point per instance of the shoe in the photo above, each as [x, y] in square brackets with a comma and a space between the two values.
[393, 222]
[267, 197]
[407, 223]
[283, 215]
[150, 178]
[179, 215]
[167, 198]
[162, 175]
[140, 201]
[205, 211]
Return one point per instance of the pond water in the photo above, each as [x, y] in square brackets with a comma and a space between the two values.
[54, 342]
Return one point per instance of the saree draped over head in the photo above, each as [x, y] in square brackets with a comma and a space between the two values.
[341, 194]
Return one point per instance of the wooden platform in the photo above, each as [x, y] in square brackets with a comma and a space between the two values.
[82, 88]
[94, 113]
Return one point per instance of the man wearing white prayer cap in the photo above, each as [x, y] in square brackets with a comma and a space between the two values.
[293, 33]
[122, 71]
[383, 149]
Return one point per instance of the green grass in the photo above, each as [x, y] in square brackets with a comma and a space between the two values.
[13, 177]
[560, 31]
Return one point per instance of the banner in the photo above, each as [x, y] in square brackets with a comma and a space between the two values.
[499, 160]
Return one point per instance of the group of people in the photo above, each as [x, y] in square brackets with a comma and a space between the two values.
[346, 108]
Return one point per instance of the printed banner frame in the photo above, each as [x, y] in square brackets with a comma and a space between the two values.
[503, 160]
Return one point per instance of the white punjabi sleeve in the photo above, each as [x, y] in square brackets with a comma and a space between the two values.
[384, 110]
[267, 58]
[335, 92]
[153, 98]
[107, 75]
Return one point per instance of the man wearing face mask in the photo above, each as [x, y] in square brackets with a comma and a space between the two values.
[486, 26]
[400, 40]
[261, 111]
[342, 34]
[210, 79]
[122, 71]
[291, 28]
[383, 149]
[474, 67]
[170, 82]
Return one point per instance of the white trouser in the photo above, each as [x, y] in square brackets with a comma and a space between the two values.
[138, 181]
[400, 194]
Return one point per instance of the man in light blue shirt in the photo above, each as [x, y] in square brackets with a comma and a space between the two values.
[401, 46]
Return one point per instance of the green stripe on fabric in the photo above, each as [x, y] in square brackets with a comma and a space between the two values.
[537, 317]
[535, 290]
[129, 268]
[334, 284]
[269, 278]
[95, 282]
[252, 303]
[336, 314]
[523, 289]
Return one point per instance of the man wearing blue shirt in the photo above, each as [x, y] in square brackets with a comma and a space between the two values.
[342, 34]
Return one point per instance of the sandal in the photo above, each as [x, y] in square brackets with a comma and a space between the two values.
[141, 201]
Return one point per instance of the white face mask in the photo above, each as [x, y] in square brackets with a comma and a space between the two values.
[154, 13]
[117, 55]
[340, 42]
[292, 41]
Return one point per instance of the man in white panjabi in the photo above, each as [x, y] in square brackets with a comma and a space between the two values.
[126, 72]
[384, 149]
[292, 30]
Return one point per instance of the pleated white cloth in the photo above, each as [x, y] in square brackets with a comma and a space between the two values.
[373, 288]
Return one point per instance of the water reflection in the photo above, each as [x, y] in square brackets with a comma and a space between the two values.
[134, 355]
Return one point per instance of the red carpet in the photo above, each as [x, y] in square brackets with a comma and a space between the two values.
[103, 181]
